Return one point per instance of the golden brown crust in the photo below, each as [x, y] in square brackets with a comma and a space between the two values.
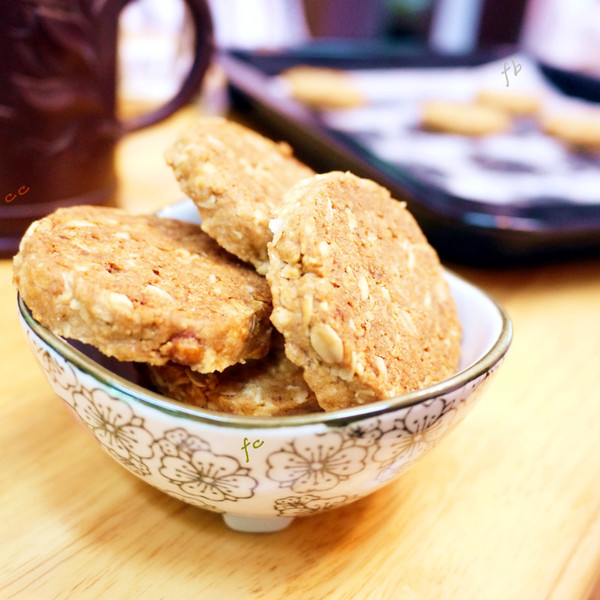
[358, 293]
[463, 118]
[142, 288]
[272, 386]
[236, 178]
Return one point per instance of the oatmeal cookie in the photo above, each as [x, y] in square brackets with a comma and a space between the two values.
[358, 293]
[323, 88]
[142, 288]
[236, 178]
[271, 386]
[462, 118]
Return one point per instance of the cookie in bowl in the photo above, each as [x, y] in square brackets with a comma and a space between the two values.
[237, 178]
[141, 288]
[271, 386]
[295, 465]
[385, 351]
[358, 293]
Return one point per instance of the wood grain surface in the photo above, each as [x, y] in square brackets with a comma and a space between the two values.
[506, 507]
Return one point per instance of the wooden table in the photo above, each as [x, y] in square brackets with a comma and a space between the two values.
[506, 507]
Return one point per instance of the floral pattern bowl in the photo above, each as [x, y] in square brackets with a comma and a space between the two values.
[261, 472]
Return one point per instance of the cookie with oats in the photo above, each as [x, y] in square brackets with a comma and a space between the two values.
[142, 288]
[463, 118]
[271, 386]
[358, 293]
[237, 178]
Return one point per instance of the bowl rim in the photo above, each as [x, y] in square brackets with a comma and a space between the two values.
[139, 394]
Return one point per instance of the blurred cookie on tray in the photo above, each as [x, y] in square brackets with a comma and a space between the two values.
[323, 88]
[579, 131]
[463, 118]
[515, 103]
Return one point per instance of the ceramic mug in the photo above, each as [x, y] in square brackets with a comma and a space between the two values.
[58, 92]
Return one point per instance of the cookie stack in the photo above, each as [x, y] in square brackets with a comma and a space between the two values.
[298, 292]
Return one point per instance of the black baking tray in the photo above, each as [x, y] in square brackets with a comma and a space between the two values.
[464, 231]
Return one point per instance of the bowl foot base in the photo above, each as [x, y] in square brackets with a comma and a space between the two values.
[250, 524]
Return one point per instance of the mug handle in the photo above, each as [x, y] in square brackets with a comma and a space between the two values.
[203, 47]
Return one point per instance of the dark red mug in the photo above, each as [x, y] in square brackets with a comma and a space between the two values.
[58, 93]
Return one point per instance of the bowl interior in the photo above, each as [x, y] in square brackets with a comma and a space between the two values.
[482, 325]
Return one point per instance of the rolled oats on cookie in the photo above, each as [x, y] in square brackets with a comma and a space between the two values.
[237, 178]
[143, 288]
[358, 293]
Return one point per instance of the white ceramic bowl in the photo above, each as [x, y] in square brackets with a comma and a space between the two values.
[261, 472]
